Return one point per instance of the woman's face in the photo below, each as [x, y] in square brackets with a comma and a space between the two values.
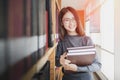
[69, 22]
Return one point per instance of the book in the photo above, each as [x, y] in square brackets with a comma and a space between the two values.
[81, 56]
[15, 18]
[27, 17]
[49, 8]
[83, 47]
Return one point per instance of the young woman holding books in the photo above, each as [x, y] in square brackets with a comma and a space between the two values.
[71, 34]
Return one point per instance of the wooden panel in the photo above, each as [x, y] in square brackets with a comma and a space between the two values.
[52, 65]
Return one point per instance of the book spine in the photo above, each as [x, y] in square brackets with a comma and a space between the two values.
[83, 47]
[82, 50]
[82, 53]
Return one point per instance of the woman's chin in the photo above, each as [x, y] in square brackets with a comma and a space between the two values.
[72, 30]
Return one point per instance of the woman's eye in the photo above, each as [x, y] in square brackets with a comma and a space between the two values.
[67, 20]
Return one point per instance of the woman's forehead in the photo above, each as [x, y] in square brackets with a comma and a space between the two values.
[68, 15]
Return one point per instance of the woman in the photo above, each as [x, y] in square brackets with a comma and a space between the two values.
[72, 35]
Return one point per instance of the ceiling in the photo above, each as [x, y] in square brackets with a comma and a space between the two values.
[90, 6]
[77, 4]
[80, 4]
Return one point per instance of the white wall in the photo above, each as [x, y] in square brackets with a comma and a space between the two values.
[107, 38]
[117, 39]
[77, 4]
[107, 25]
[107, 61]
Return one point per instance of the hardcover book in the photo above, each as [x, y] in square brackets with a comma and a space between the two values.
[81, 56]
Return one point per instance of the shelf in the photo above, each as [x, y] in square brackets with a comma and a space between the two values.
[38, 66]
[58, 2]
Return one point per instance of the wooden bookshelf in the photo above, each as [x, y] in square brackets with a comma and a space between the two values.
[58, 2]
[38, 66]
[50, 54]
[55, 4]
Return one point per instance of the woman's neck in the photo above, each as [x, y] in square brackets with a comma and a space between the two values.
[72, 33]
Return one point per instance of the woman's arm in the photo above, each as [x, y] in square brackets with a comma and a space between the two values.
[96, 65]
[59, 51]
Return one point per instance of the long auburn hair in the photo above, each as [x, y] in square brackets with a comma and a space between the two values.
[62, 30]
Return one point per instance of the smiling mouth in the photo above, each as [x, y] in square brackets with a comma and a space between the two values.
[71, 27]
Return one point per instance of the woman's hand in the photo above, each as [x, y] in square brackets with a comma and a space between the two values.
[71, 67]
[66, 63]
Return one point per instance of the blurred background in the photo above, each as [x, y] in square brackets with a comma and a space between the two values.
[29, 35]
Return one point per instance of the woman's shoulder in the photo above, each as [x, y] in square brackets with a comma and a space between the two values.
[87, 40]
[86, 37]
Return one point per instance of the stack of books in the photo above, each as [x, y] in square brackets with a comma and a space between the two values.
[81, 56]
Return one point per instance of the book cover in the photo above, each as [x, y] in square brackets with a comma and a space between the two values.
[81, 56]
[34, 19]
[27, 17]
[15, 18]
[82, 50]
[3, 19]
[48, 8]
[83, 47]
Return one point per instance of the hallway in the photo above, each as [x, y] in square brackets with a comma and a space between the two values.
[29, 36]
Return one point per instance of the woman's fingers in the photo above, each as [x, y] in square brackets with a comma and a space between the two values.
[71, 67]
[64, 54]
[67, 61]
